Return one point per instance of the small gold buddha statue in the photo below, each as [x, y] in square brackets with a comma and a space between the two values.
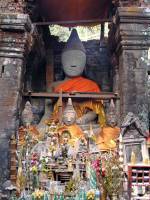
[133, 158]
[69, 121]
[106, 139]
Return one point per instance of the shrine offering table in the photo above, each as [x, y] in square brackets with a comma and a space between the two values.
[139, 177]
[78, 95]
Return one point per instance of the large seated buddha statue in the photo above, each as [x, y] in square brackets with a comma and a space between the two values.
[73, 60]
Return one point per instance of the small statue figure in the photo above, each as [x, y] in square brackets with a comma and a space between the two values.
[70, 165]
[133, 158]
[28, 130]
[69, 114]
[69, 120]
[106, 140]
[27, 115]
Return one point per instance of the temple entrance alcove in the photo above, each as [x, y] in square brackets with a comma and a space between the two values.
[74, 122]
[77, 69]
[98, 67]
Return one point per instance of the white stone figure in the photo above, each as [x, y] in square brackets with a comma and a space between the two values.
[27, 114]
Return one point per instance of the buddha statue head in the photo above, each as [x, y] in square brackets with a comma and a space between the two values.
[73, 57]
[111, 115]
[69, 114]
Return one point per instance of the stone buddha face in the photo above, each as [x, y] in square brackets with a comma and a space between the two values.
[111, 120]
[69, 117]
[73, 56]
[73, 62]
[69, 114]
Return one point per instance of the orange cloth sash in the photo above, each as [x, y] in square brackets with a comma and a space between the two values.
[106, 140]
[80, 108]
[74, 130]
[77, 84]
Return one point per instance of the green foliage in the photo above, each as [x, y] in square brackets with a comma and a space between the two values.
[113, 175]
[55, 197]
[85, 33]
[71, 186]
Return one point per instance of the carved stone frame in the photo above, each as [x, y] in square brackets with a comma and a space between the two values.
[138, 141]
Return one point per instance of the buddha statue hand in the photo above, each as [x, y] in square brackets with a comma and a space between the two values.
[87, 118]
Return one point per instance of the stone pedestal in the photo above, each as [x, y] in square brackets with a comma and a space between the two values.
[15, 41]
[130, 36]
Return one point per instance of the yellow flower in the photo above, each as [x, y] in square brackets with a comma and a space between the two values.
[93, 137]
[34, 169]
[91, 195]
[38, 193]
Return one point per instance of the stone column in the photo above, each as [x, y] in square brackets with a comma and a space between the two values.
[132, 41]
[116, 83]
[15, 41]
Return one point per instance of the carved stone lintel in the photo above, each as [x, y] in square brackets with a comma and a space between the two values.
[15, 21]
[132, 28]
[15, 37]
[131, 122]
[131, 3]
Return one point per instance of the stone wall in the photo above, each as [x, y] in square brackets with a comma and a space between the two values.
[12, 6]
[10, 85]
[98, 66]
[15, 42]
[21, 60]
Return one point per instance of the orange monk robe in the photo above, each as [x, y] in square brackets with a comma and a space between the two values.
[77, 84]
[106, 140]
[80, 84]
[74, 130]
[32, 131]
